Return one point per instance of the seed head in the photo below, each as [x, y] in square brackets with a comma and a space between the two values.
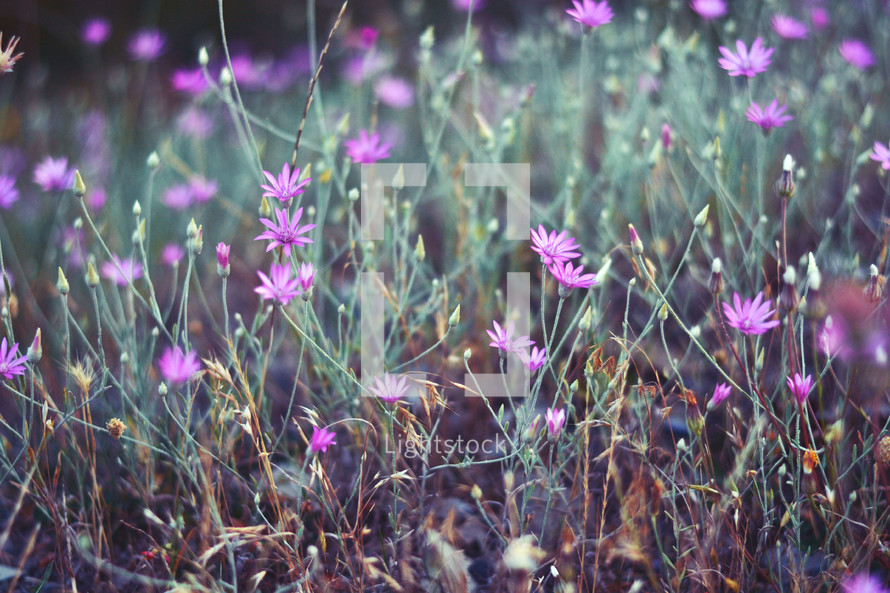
[882, 451]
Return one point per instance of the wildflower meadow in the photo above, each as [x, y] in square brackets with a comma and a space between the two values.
[448, 296]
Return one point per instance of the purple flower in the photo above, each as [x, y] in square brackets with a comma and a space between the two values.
[800, 387]
[9, 195]
[96, 198]
[322, 438]
[746, 62]
[367, 148]
[10, 363]
[390, 389]
[709, 9]
[172, 254]
[864, 583]
[556, 419]
[503, 339]
[177, 367]
[178, 197]
[553, 248]
[122, 271]
[7, 60]
[534, 359]
[222, 255]
[286, 233]
[394, 92]
[53, 174]
[202, 189]
[721, 392]
[146, 45]
[820, 17]
[190, 81]
[880, 154]
[591, 13]
[666, 136]
[769, 117]
[95, 31]
[195, 122]
[465, 5]
[306, 276]
[789, 28]
[570, 276]
[856, 53]
[247, 72]
[750, 317]
[278, 286]
[286, 186]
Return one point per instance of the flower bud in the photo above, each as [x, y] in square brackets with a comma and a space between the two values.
[35, 351]
[153, 160]
[192, 229]
[788, 296]
[785, 185]
[635, 242]
[203, 58]
[584, 323]
[419, 250]
[874, 288]
[454, 319]
[663, 313]
[80, 188]
[222, 259]
[92, 276]
[702, 217]
[715, 283]
[62, 283]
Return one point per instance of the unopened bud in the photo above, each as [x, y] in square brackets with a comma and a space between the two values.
[584, 324]
[419, 250]
[635, 242]
[785, 185]
[353, 194]
[162, 389]
[788, 296]
[715, 283]
[203, 58]
[663, 313]
[192, 229]
[80, 188]
[62, 283]
[92, 276]
[454, 318]
[225, 77]
[874, 288]
[153, 160]
[265, 208]
[137, 208]
[814, 276]
[467, 354]
[702, 217]
[35, 351]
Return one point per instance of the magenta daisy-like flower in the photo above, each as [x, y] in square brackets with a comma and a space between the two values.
[570, 276]
[721, 392]
[395, 92]
[286, 233]
[709, 9]
[534, 359]
[279, 285]
[172, 254]
[177, 367]
[322, 438]
[752, 318]
[880, 153]
[800, 386]
[306, 276]
[856, 53]
[9, 195]
[190, 81]
[367, 148]
[503, 340]
[53, 174]
[553, 248]
[286, 186]
[7, 60]
[556, 419]
[789, 28]
[390, 389]
[591, 13]
[10, 363]
[95, 31]
[863, 583]
[769, 117]
[147, 45]
[122, 271]
[746, 62]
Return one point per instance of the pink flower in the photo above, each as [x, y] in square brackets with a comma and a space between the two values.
[769, 117]
[709, 9]
[278, 286]
[800, 387]
[286, 186]
[746, 62]
[553, 248]
[394, 92]
[820, 17]
[856, 53]
[390, 389]
[178, 197]
[752, 318]
[306, 275]
[53, 174]
[96, 198]
[556, 419]
[195, 122]
[10, 363]
[570, 277]
[286, 233]
[789, 28]
[721, 392]
[177, 367]
[322, 438]
[222, 255]
[202, 189]
[190, 81]
[9, 195]
[172, 254]
[465, 5]
[535, 359]
[503, 339]
[7, 60]
[367, 148]
[95, 31]
[864, 583]
[881, 154]
[591, 13]
[146, 45]
[122, 271]
[666, 136]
